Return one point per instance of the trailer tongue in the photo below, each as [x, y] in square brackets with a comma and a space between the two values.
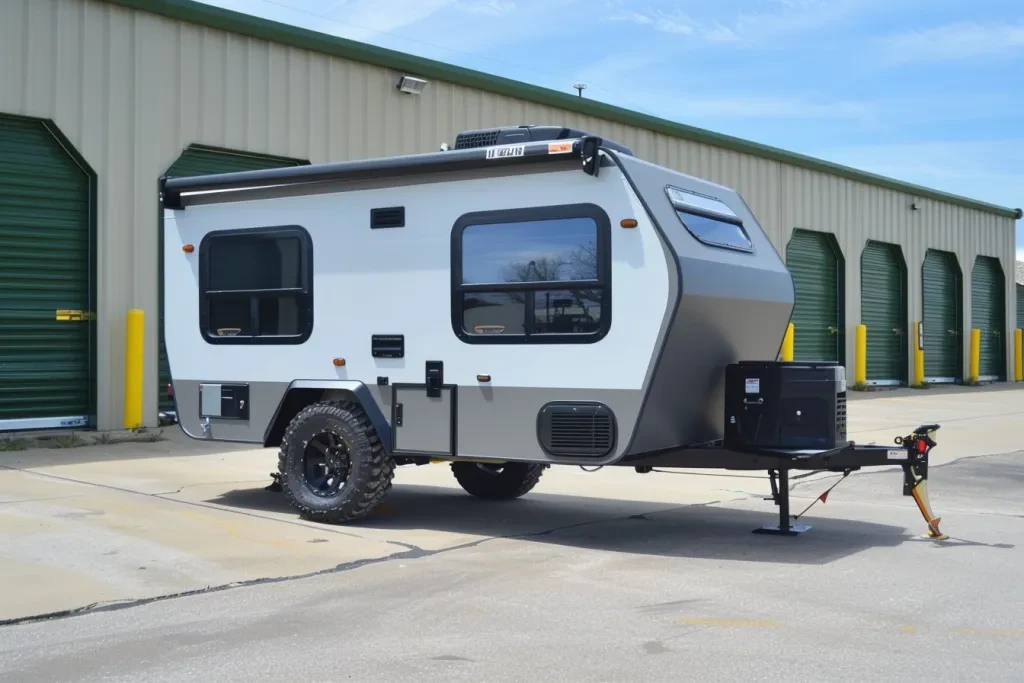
[911, 454]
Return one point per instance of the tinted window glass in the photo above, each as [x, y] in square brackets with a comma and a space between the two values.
[714, 231]
[257, 286]
[567, 312]
[494, 312]
[229, 316]
[531, 251]
[242, 262]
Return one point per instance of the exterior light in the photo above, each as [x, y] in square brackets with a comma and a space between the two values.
[412, 86]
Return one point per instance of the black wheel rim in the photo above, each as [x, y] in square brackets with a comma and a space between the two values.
[325, 464]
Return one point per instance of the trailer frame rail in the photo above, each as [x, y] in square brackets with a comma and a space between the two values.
[911, 453]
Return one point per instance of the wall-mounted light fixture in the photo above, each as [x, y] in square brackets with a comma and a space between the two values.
[411, 85]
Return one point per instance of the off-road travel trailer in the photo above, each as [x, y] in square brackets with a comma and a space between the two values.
[534, 296]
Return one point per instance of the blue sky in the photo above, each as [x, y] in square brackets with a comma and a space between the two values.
[928, 91]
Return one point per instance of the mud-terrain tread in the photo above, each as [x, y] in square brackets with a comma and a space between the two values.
[501, 487]
[364, 495]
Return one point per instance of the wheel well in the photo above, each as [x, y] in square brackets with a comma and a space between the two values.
[294, 401]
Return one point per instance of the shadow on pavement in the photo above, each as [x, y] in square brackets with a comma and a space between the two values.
[706, 531]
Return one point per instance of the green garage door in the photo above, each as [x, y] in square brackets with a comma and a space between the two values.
[812, 260]
[988, 315]
[882, 293]
[197, 160]
[942, 302]
[1020, 307]
[45, 350]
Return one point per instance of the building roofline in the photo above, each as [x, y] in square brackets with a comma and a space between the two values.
[265, 29]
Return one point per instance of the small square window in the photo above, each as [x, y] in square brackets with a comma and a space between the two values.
[256, 286]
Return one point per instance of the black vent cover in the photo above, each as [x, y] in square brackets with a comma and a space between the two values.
[575, 429]
[389, 217]
[505, 135]
[481, 138]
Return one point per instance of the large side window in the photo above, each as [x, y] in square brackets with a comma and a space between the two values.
[256, 286]
[539, 275]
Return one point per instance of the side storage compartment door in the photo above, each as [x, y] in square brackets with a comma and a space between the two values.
[423, 416]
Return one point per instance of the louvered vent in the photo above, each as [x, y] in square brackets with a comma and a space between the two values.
[841, 416]
[578, 430]
[389, 217]
[476, 139]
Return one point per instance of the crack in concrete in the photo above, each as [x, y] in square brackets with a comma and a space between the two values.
[207, 483]
[164, 497]
[411, 552]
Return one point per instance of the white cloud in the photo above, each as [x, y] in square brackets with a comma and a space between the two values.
[492, 8]
[957, 41]
[353, 19]
[363, 19]
[770, 107]
[987, 170]
[780, 18]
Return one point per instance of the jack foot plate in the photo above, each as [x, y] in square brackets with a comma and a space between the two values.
[777, 530]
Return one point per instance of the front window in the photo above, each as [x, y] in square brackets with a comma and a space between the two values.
[709, 219]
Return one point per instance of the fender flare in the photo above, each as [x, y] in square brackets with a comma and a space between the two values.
[358, 392]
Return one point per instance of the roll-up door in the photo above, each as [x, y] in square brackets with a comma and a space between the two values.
[882, 295]
[46, 358]
[942, 317]
[1020, 307]
[817, 327]
[988, 316]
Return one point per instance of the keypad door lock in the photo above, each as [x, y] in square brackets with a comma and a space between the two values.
[434, 378]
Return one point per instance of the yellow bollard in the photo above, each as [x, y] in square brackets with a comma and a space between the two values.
[918, 355]
[787, 345]
[975, 355]
[133, 368]
[860, 375]
[1018, 355]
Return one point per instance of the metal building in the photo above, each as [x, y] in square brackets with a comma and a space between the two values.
[99, 98]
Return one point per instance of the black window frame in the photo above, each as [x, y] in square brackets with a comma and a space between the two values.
[682, 210]
[304, 290]
[603, 283]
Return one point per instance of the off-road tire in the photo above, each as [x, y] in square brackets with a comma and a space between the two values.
[370, 469]
[497, 482]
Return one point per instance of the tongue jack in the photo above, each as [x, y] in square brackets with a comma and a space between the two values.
[915, 477]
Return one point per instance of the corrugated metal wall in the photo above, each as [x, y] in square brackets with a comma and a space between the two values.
[131, 90]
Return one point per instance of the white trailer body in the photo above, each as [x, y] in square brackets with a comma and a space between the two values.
[550, 301]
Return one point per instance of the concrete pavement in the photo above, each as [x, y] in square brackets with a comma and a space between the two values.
[106, 525]
[640, 592]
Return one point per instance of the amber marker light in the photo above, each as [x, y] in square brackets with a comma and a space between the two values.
[339, 362]
[483, 378]
[188, 248]
[628, 222]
